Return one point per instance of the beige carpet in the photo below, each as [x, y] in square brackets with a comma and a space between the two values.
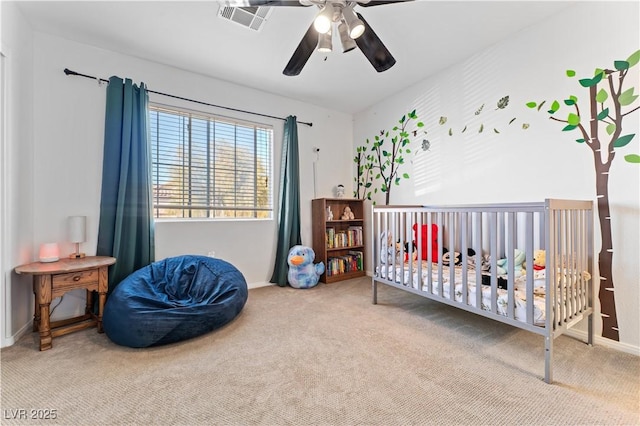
[325, 356]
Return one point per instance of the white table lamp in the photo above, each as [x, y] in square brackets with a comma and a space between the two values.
[77, 233]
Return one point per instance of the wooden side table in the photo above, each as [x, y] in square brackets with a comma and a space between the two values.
[51, 280]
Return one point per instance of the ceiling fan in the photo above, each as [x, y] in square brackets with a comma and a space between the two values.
[353, 29]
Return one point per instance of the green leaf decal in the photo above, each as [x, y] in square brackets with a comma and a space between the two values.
[634, 58]
[420, 124]
[568, 128]
[525, 126]
[580, 140]
[540, 106]
[573, 119]
[555, 106]
[623, 140]
[442, 120]
[503, 102]
[571, 73]
[531, 104]
[405, 175]
[632, 158]
[621, 65]
[481, 128]
[611, 128]
[603, 114]
[569, 102]
[588, 82]
[627, 97]
[450, 132]
[602, 96]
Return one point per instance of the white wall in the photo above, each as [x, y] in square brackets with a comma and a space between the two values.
[533, 164]
[68, 126]
[17, 174]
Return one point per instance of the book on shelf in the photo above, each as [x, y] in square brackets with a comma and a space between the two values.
[347, 263]
[350, 237]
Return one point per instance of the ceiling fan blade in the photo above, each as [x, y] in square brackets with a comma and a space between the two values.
[367, 3]
[266, 3]
[302, 53]
[373, 48]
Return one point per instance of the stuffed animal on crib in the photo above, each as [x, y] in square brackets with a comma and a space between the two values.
[449, 257]
[414, 248]
[518, 261]
[347, 214]
[539, 260]
[302, 272]
[387, 250]
[433, 243]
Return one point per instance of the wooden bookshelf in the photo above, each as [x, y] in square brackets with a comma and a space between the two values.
[339, 243]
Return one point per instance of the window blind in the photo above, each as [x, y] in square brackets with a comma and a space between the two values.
[206, 166]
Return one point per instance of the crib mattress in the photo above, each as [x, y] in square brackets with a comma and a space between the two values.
[401, 275]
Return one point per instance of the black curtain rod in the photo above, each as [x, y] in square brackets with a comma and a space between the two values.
[67, 71]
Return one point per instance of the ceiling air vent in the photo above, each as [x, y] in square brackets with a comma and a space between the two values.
[249, 17]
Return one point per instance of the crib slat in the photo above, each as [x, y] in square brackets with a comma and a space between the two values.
[511, 238]
[493, 244]
[440, 221]
[478, 245]
[452, 244]
[463, 249]
[530, 271]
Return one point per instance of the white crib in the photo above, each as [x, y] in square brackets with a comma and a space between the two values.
[543, 301]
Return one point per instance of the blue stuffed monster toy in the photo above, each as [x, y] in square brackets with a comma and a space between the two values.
[302, 272]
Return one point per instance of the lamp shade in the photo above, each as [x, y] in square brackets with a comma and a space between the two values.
[77, 229]
[49, 252]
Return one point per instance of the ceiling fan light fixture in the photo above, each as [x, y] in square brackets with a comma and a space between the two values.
[323, 21]
[355, 25]
[347, 42]
[324, 42]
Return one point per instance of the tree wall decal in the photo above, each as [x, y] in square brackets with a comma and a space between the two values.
[383, 159]
[599, 124]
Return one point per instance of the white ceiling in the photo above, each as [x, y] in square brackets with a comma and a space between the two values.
[423, 36]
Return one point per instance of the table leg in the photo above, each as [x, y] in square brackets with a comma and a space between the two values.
[45, 328]
[102, 299]
[43, 300]
[103, 285]
[89, 307]
[36, 308]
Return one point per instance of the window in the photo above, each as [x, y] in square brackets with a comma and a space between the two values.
[206, 166]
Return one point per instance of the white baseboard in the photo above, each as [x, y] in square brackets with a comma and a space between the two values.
[9, 341]
[599, 340]
[258, 285]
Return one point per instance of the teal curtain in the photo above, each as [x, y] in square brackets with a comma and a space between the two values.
[289, 215]
[126, 229]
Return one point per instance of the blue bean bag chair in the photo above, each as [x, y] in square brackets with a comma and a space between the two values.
[172, 300]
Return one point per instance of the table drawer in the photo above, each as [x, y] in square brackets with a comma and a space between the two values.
[75, 279]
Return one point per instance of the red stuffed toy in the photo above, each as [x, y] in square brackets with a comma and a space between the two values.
[434, 241]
